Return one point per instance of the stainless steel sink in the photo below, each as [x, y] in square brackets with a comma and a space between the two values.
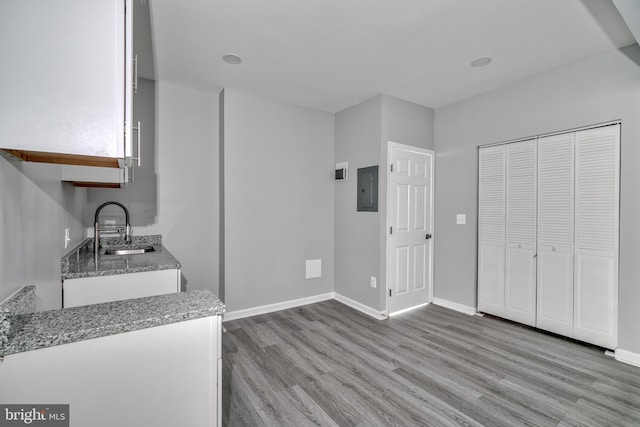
[129, 251]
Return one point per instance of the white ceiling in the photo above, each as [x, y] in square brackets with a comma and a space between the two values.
[331, 54]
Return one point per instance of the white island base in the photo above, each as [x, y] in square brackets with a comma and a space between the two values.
[163, 376]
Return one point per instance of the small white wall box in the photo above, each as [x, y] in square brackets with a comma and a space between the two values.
[313, 268]
[342, 171]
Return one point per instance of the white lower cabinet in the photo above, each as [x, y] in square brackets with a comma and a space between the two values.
[95, 290]
[548, 233]
[165, 376]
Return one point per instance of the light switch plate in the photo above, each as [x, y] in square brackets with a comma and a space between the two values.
[461, 219]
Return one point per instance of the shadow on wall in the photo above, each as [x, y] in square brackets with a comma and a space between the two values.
[633, 53]
[141, 196]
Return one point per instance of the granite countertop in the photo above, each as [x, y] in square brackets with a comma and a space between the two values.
[81, 262]
[20, 331]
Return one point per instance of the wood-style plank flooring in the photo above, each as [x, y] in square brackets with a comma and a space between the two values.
[327, 364]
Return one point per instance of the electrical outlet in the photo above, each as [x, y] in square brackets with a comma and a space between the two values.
[67, 238]
[374, 282]
[461, 219]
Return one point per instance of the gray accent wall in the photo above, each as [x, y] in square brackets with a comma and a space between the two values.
[221, 196]
[35, 208]
[357, 234]
[597, 90]
[278, 200]
[362, 134]
[183, 183]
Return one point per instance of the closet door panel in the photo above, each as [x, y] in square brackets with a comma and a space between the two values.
[491, 230]
[596, 225]
[520, 292]
[520, 278]
[555, 233]
[555, 291]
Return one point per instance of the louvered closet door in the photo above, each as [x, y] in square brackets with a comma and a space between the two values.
[555, 234]
[491, 230]
[596, 247]
[520, 278]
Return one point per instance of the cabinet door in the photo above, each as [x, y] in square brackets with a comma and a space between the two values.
[63, 92]
[95, 290]
[596, 228]
[555, 234]
[520, 278]
[491, 230]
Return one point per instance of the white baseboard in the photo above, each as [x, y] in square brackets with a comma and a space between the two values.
[629, 357]
[454, 306]
[359, 306]
[269, 308]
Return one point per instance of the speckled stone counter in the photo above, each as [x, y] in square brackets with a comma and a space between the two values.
[56, 327]
[81, 262]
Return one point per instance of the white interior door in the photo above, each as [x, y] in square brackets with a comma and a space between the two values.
[520, 279]
[410, 220]
[491, 230]
[596, 227]
[555, 233]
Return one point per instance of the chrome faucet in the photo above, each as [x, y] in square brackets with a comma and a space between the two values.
[112, 229]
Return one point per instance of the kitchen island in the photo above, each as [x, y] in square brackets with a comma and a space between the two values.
[146, 361]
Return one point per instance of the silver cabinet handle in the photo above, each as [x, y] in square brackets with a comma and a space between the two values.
[139, 130]
[135, 73]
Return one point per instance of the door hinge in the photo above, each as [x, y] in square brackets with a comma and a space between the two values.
[390, 230]
[391, 167]
[389, 292]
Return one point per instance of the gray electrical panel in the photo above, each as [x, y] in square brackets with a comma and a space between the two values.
[368, 189]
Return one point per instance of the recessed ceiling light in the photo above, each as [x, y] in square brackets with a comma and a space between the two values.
[231, 58]
[481, 62]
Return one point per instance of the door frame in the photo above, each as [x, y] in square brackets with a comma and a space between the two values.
[420, 150]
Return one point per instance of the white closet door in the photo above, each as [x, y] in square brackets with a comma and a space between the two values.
[520, 279]
[491, 230]
[596, 248]
[555, 234]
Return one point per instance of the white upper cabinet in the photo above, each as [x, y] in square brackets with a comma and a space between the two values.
[63, 81]
[491, 230]
[555, 233]
[596, 240]
[520, 280]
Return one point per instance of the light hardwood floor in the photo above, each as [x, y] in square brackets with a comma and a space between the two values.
[327, 364]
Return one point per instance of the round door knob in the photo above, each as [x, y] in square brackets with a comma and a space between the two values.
[428, 236]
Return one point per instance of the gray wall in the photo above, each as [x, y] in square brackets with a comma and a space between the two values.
[362, 134]
[593, 91]
[221, 196]
[279, 200]
[357, 236]
[185, 180]
[35, 208]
